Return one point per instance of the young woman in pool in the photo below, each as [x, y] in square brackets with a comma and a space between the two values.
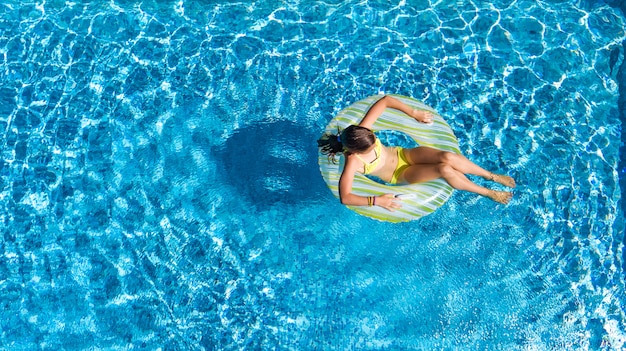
[365, 154]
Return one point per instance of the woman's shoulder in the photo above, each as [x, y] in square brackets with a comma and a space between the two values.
[353, 161]
[351, 158]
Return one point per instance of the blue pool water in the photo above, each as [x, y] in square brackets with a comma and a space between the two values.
[159, 186]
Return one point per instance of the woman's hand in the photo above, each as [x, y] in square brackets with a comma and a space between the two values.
[388, 201]
[422, 116]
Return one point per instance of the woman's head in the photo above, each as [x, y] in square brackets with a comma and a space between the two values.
[357, 139]
[353, 139]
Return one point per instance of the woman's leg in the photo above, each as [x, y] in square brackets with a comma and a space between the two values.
[428, 155]
[425, 172]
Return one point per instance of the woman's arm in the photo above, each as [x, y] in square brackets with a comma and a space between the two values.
[345, 185]
[346, 196]
[388, 101]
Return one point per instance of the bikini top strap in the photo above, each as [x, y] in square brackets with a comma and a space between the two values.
[368, 166]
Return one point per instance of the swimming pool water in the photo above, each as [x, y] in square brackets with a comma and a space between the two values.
[159, 186]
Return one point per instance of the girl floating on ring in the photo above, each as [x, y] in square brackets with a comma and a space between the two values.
[365, 154]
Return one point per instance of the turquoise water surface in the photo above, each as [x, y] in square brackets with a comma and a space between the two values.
[159, 186]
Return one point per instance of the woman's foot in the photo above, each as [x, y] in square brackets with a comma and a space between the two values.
[502, 197]
[502, 179]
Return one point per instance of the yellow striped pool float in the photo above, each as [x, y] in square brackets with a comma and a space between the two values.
[428, 195]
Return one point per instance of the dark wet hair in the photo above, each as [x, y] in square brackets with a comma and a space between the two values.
[352, 139]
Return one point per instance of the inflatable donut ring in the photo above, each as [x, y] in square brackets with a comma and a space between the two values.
[424, 197]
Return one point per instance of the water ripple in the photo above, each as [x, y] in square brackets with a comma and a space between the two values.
[157, 190]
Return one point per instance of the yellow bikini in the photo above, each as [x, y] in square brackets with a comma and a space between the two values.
[403, 163]
[368, 167]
